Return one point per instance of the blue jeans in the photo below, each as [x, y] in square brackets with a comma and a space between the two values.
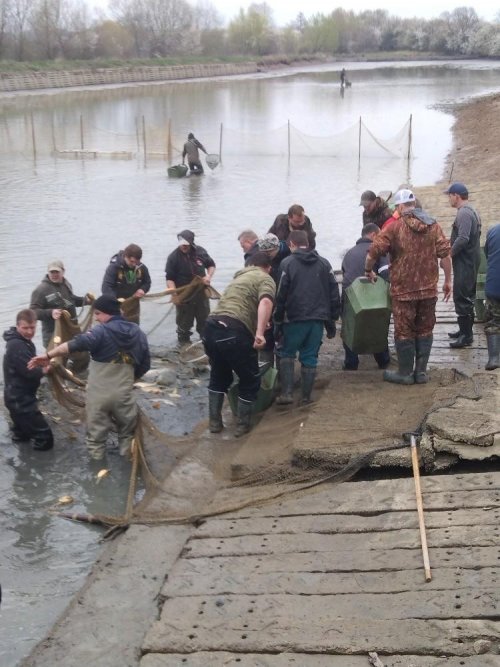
[351, 360]
[304, 338]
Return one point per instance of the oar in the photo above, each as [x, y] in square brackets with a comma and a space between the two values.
[420, 509]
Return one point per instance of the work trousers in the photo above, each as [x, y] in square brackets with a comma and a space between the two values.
[492, 325]
[229, 347]
[351, 360]
[110, 404]
[32, 425]
[413, 319]
[464, 285]
[197, 308]
[302, 337]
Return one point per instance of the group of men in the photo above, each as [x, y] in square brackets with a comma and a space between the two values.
[283, 299]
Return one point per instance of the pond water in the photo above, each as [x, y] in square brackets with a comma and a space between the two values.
[285, 137]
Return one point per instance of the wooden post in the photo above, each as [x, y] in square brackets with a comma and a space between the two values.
[53, 130]
[359, 142]
[410, 137]
[288, 138]
[144, 139]
[137, 136]
[82, 143]
[33, 136]
[169, 140]
[420, 509]
[220, 142]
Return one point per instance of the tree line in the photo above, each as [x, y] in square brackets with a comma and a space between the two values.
[129, 29]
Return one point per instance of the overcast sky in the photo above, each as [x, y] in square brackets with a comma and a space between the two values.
[286, 10]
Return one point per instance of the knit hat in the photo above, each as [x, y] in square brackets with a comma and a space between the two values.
[107, 304]
[268, 242]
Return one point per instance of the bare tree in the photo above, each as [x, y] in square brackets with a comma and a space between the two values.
[4, 19]
[20, 13]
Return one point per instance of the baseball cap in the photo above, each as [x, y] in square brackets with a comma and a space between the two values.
[367, 197]
[55, 265]
[457, 189]
[186, 237]
[404, 197]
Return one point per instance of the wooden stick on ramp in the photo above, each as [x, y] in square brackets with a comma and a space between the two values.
[420, 509]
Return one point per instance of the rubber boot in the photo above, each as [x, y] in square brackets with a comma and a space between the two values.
[465, 337]
[422, 351]
[454, 334]
[215, 401]
[307, 376]
[405, 349]
[244, 417]
[286, 368]
[493, 341]
[43, 443]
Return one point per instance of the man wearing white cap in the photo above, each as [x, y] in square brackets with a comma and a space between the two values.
[415, 242]
[53, 295]
[183, 264]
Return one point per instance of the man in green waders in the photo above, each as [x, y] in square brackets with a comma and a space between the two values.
[119, 356]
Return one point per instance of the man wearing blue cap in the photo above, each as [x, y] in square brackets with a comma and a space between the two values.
[466, 256]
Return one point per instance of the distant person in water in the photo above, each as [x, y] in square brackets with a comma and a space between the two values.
[342, 77]
[192, 149]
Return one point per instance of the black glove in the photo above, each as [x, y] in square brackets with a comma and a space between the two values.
[331, 329]
[278, 331]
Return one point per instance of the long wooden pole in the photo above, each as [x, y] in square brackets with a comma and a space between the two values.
[220, 142]
[33, 136]
[82, 142]
[420, 509]
[410, 132]
[359, 142]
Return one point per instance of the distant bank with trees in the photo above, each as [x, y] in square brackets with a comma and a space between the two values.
[65, 30]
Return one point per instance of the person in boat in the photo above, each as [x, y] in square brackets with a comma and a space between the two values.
[191, 150]
[375, 209]
[119, 356]
[234, 332]
[415, 242]
[307, 301]
[53, 295]
[353, 266]
[126, 277]
[183, 264]
[294, 220]
[21, 384]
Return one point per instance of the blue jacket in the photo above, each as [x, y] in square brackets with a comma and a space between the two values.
[492, 252]
[109, 341]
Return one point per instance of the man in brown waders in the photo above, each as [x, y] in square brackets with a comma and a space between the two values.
[119, 356]
[415, 242]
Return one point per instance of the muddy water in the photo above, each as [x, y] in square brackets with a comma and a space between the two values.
[83, 211]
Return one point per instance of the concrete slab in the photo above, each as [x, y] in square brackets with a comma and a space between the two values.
[226, 659]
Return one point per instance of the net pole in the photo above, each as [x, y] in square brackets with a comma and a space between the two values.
[33, 136]
[169, 140]
[410, 136]
[137, 135]
[288, 138]
[144, 138]
[53, 132]
[359, 142]
[220, 141]
[82, 143]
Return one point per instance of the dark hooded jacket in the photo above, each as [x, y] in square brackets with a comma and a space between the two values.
[121, 281]
[49, 296]
[353, 264]
[115, 341]
[20, 384]
[307, 289]
[182, 267]
[379, 215]
[281, 228]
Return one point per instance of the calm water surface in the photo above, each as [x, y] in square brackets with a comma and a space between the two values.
[83, 211]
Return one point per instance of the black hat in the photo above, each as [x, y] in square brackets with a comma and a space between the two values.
[107, 304]
[186, 237]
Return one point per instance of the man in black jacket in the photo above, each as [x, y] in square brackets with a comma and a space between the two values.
[183, 264]
[21, 384]
[353, 266]
[294, 220]
[307, 300]
[53, 295]
[127, 277]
